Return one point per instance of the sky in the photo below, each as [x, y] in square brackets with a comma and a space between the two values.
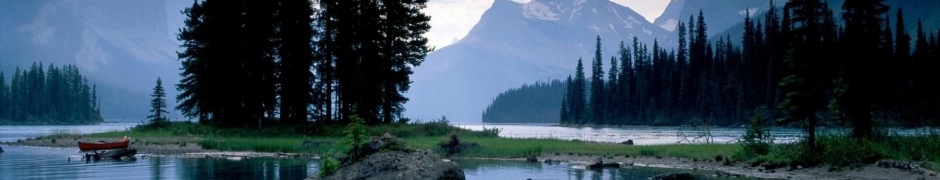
[452, 19]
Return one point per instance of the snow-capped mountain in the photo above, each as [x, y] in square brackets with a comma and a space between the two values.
[517, 43]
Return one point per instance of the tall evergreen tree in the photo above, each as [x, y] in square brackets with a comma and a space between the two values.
[597, 85]
[158, 103]
[295, 34]
[579, 103]
[863, 32]
[404, 47]
[804, 85]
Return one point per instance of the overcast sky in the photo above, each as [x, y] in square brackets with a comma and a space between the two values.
[452, 19]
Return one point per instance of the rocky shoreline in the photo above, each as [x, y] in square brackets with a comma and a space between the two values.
[869, 171]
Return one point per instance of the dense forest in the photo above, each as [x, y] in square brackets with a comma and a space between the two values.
[799, 63]
[252, 63]
[536, 103]
[48, 95]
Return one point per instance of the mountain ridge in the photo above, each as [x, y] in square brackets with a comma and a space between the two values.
[517, 43]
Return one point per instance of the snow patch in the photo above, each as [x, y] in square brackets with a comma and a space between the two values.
[595, 28]
[612, 27]
[752, 11]
[595, 10]
[536, 10]
[647, 31]
[579, 2]
[670, 24]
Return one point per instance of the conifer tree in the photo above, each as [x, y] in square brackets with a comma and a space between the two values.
[597, 85]
[158, 103]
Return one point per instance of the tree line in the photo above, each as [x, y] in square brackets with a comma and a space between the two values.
[56, 95]
[535, 103]
[251, 63]
[799, 62]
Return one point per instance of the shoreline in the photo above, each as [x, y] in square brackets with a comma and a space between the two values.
[187, 147]
[182, 147]
[739, 169]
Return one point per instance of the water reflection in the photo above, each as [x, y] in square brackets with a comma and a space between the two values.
[498, 169]
[65, 163]
[250, 168]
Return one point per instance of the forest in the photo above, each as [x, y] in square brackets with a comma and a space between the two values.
[801, 64]
[536, 103]
[292, 61]
[54, 95]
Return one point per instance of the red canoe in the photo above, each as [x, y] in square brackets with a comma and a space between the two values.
[88, 146]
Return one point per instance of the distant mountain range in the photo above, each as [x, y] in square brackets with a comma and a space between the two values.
[518, 43]
[121, 46]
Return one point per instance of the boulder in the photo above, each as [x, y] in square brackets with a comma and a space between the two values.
[1, 149]
[400, 165]
[628, 142]
[674, 176]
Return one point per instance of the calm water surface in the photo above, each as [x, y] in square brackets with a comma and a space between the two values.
[65, 163]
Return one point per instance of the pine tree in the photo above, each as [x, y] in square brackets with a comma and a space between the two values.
[597, 85]
[295, 35]
[579, 103]
[863, 32]
[158, 103]
[803, 85]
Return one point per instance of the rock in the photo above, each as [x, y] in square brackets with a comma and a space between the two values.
[453, 145]
[119, 153]
[1, 149]
[628, 142]
[400, 165]
[674, 176]
[531, 159]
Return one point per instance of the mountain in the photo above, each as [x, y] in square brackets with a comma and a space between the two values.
[719, 15]
[517, 43]
[120, 46]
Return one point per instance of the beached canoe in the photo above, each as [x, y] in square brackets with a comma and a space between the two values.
[91, 146]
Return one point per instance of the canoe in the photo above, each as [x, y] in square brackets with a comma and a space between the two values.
[91, 146]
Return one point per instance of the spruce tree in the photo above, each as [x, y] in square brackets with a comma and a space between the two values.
[863, 32]
[158, 103]
[295, 36]
[597, 85]
[579, 103]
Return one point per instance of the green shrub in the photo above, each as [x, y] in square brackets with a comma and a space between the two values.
[757, 139]
[328, 164]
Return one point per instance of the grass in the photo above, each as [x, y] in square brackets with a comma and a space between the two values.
[844, 151]
[419, 135]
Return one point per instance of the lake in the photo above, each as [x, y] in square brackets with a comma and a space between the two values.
[65, 163]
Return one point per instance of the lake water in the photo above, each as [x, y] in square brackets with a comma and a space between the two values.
[65, 163]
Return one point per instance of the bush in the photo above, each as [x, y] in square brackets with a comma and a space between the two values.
[328, 164]
[757, 139]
